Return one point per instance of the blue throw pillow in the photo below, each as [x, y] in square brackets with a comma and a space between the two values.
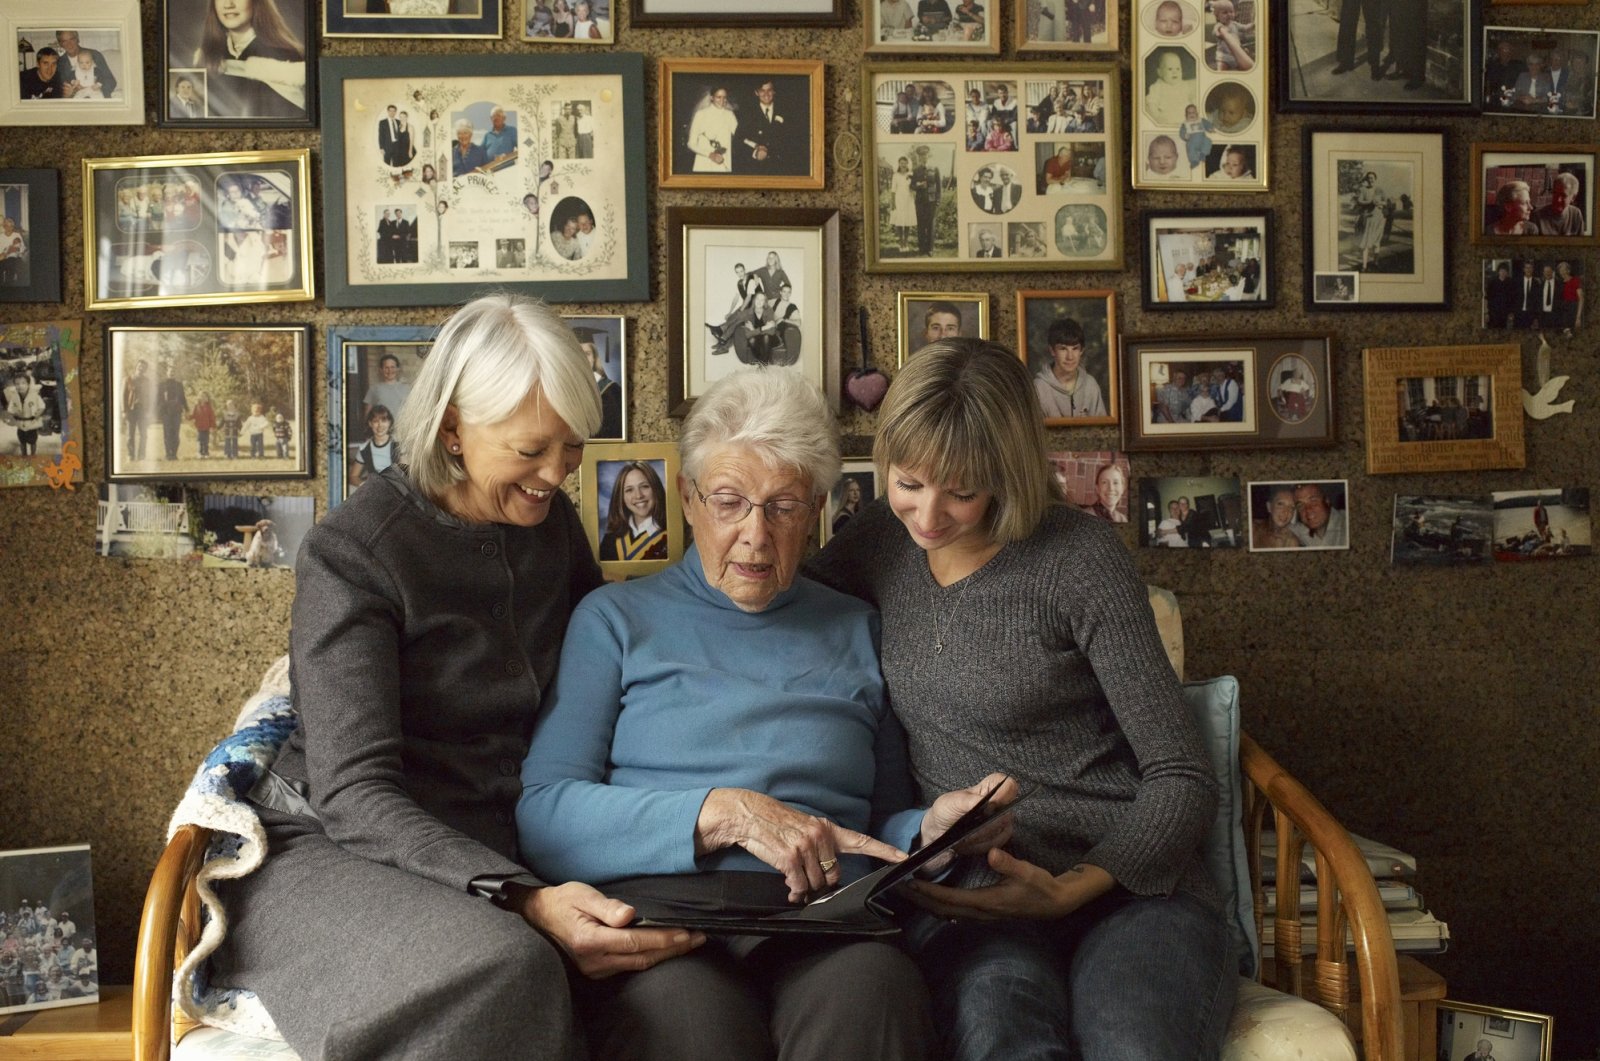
[1216, 710]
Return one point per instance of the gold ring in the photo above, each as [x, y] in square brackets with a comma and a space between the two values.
[828, 863]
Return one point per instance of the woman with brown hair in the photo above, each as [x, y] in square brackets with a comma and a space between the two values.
[254, 60]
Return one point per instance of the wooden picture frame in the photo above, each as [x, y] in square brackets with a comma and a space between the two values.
[712, 296]
[1208, 259]
[1426, 411]
[39, 386]
[197, 230]
[635, 554]
[360, 377]
[350, 18]
[1091, 317]
[539, 23]
[161, 377]
[1270, 533]
[1286, 392]
[1461, 1024]
[1546, 173]
[1403, 257]
[606, 335]
[753, 14]
[902, 27]
[1509, 88]
[923, 317]
[1420, 76]
[1055, 196]
[195, 94]
[713, 130]
[30, 235]
[106, 32]
[864, 475]
[467, 207]
[1049, 26]
[1194, 61]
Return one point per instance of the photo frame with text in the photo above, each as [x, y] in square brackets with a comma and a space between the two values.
[630, 507]
[923, 317]
[857, 487]
[730, 13]
[1258, 392]
[92, 57]
[723, 267]
[1199, 97]
[197, 90]
[932, 27]
[1538, 194]
[208, 402]
[1331, 65]
[1443, 408]
[41, 405]
[195, 230]
[30, 235]
[1208, 259]
[1462, 1024]
[1540, 73]
[1068, 340]
[1057, 26]
[370, 373]
[510, 175]
[604, 337]
[464, 18]
[1376, 206]
[741, 123]
[943, 195]
[581, 22]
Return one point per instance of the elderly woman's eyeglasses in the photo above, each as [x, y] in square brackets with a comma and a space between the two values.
[730, 508]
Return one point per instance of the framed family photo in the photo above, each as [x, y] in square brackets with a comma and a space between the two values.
[1200, 95]
[568, 21]
[41, 409]
[925, 317]
[1421, 58]
[1466, 1030]
[726, 13]
[30, 235]
[1541, 73]
[188, 402]
[630, 507]
[1534, 293]
[991, 167]
[1208, 259]
[79, 62]
[1253, 392]
[1376, 209]
[1068, 340]
[741, 123]
[440, 178]
[1534, 193]
[191, 230]
[932, 27]
[1200, 512]
[370, 373]
[49, 899]
[238, 65]
[604, 339]
[857, 487]
[1443, 408]
[1289, 515]
[435, 19]
[1067, 25]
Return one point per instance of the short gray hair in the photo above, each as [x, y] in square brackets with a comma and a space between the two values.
[489, 356]
[464, 123]
[1568, 181]
[775, 412]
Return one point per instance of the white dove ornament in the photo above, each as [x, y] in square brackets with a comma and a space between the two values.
[1542, 405]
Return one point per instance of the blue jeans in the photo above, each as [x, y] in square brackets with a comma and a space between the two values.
[1127, 978]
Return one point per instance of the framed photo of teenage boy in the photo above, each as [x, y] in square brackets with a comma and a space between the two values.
[739, 123]
[79, 62]
[370, 373]
[927, 316]
[238, 65]
[1068, 340]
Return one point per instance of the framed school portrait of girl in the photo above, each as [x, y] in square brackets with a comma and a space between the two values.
[232, 63]
[630, 507]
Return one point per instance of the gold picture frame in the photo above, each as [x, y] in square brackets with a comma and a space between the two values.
[901, 27]
[1045, 26]
[919, 309]
[636, 551]
[1093, 316]
[1462, 1024]
[706, 101]
[1426, 411]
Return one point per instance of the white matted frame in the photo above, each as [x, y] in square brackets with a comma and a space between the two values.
[108, 28]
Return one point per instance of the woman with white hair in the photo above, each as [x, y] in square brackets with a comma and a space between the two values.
[392, 917]
[466, 156]
[719, 737]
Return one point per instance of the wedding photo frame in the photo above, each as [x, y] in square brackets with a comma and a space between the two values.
[742, 293]
[857, 487]
[431, 189]
[30, 235]
[1208, 259]
[194, 230]
[630, 507]
[1333, 63]
[195, 91]
[208, 402]
[370, 373]
[1376, 208]
[604, 337]
[79, 62]
[923, 317]
[568, 21]
[1199, 97]
[734, 13]
[741, 123]
[465, 18]
[1443, 408]
[1252, 392]
[1462, 1025]
[1541, 194]
[932, 27]
[1540, 73]
[41, 435]
[1068, 340]
[963, 172]
[1057, 26]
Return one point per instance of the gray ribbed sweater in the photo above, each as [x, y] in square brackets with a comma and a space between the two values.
[1052, 671]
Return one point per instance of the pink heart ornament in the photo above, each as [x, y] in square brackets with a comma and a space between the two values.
[866, 387]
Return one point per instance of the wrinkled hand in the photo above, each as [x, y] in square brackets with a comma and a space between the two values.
[952, 805]
[795, 844]
[1026, 892]
[593, 930]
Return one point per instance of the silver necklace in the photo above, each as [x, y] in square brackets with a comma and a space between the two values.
[947, 620]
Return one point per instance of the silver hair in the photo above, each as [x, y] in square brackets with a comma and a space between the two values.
[1569, 181]
[464, 123]
[776, 413]
[488, 357]
[498, 110]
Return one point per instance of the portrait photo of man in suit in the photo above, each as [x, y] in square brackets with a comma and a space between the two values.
[774, 143]
[747, 124]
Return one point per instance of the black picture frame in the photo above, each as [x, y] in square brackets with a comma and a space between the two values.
[1157, 283]
[182, 30]
[485, 21]
[35, 193]
[355, 356]
[759, 13]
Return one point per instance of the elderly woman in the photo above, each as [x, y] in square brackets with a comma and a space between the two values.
[392, 918]
[718, 735]
[1018, 636]
[1515, 201]
[466, 156]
